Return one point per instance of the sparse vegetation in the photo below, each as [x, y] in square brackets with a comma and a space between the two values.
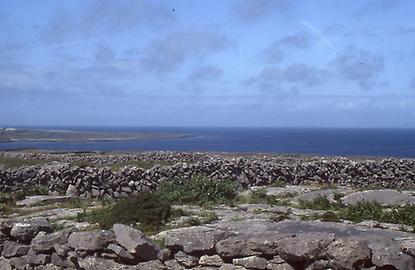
[374, 211]
[280, 216]
[279, 182]
[13, 162]
[8, 200]
[199, 191]
[329, 216]
[321, 203]
[260, 196]
[146, 211]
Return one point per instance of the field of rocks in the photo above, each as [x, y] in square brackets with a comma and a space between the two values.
[168, 210]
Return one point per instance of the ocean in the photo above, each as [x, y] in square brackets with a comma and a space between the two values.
[315, 141]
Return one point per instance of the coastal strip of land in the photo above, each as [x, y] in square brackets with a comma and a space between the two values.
[40, 135]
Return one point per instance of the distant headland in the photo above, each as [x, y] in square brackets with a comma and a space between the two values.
[8, 134]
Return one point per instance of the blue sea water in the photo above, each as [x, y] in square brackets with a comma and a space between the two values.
[319, 141]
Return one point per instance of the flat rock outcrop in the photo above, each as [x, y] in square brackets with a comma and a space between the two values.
[249, 244]
[385, 197]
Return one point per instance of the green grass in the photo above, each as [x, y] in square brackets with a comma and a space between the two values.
[329, 216]
[198, 191]
[374, 211]
[146, 211]
[13, 162]
[11, 198]
[260, 196]
[321, 203]
[362, 211]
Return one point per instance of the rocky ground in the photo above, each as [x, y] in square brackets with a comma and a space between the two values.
[270, 225]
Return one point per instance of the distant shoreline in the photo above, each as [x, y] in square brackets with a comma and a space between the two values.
[8, 135]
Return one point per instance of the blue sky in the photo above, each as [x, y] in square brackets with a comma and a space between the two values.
[305, 63]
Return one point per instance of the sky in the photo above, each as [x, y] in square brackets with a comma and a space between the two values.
[248, 63]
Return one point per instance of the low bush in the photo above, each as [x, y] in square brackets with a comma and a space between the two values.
[362, 211]
[374, 211]
[198, 190]
[329, 216]
[146, 211]
[260, 196]
[320, 203]
[279, 182]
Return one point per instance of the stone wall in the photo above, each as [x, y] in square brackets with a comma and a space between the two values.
[248, 171]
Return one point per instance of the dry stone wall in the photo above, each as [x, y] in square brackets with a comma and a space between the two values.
[98, 181]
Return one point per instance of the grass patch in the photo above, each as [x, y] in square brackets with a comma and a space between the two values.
[260, 196]
[329, 216]
[14, 162]
[198, 191]
[320, 203]
[82, 164]
[374, 211]
[146, 211]
[8, 200]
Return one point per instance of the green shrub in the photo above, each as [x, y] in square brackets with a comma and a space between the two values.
[279, 182]
[374, 211]
[260, 196]
[30, 191]
[199, 191]
[208, 217]
[362, 211]
[147, 210]
[401, 215]
[329, 216]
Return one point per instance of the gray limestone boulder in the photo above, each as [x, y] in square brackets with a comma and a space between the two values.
[151, 265]
[252, 262]
[186, 260]
[13, 249]
[44, 242]
[122, 254]
[214, 260]
[349, 253]
[26, 230]
[95, 263]
[304, 247]
[70, 262]
[90, 241]
[385, 197]
[135, 242]
[197, 240]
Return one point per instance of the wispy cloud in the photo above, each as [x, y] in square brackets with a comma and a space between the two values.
[110, 17]
[360, 66]
[286, 80]
[381, 32]
[275, 52]
[249, 11]
[167, 54]
[196, 81]
[371, 6]
[46, 47]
